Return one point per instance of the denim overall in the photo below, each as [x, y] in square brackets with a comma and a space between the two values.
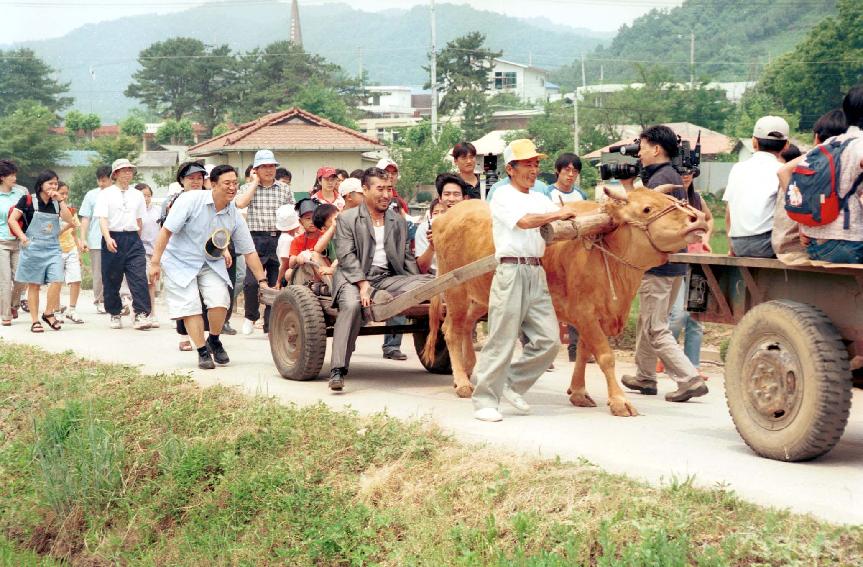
[41, 261]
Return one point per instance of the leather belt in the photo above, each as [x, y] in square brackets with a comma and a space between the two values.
[266, 232]
[520, 260]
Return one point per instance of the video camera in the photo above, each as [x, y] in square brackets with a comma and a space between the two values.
[621, 162]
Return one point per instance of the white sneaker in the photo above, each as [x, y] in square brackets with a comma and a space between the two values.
[248, 327]
[154, 323]
[142, 323]
[515, 400]
[488, 414]
[116, 322]
[100, 308]
[127, 307]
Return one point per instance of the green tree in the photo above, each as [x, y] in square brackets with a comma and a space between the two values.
[420, 158]
[133, 126]
[24, 76]
[754, 104]
[813, 78]
[183, 77]
[463, 67]
[326, 102]
[175, 132]
[25, 138]
[76, 122]
[120, 147]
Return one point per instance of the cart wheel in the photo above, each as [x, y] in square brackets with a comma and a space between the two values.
[787, 381]
[441, 364]
[298, 333]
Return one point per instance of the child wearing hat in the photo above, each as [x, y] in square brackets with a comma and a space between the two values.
[288, 222]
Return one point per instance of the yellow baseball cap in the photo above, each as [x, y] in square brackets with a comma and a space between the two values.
[518, 150]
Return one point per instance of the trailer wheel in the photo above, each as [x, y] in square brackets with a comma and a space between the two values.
[787, 381]
[298, 333]
[441, 363]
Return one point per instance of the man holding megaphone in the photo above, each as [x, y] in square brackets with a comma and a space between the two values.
[190, 247]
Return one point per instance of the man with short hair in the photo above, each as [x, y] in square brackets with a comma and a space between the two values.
[91, 234]
[191, 247]
[120, 210]
[519, 300]
[837, 242]
[262, 196]
[451, 189]
[373, 252]
[283, 175]
[750, 195]
[660, 285]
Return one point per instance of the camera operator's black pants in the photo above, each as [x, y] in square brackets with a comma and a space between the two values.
[129, 260]
[265, 246]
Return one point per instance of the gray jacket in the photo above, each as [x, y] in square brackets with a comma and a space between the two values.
[355, 246]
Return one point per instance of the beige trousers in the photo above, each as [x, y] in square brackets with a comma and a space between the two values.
[10, 291]
[653, 338]
[519, 301]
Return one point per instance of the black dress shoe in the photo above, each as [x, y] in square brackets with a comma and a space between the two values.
[227, 329]
[395, 355]
[218, 352]
[337, 379]
[205, 361]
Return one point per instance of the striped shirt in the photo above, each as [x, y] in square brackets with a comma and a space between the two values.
[261, 212]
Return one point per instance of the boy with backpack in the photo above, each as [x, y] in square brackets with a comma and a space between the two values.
[750, 196]
[824, 193]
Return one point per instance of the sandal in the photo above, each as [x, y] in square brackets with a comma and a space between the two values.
[6, 323]
[185, 346]
[53, 323]
[36, 328]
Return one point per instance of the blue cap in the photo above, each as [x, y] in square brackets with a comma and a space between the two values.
[265, 157]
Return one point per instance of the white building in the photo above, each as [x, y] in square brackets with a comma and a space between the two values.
[388, 101]
[527, 82]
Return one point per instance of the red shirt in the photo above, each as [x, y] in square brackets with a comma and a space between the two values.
[304, 242]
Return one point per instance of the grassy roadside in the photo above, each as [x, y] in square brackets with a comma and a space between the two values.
[102, 465]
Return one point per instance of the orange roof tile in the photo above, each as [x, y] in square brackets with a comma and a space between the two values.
[293, 129]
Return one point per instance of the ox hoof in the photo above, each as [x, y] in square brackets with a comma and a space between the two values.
[463, 390]
[621, 407]
[582, 400]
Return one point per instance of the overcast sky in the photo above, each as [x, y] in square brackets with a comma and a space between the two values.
[39, 19]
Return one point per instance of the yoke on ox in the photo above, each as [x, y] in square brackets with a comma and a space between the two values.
[593, 275]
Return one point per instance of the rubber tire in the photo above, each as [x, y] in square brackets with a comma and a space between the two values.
[297, 306]
[826, 383]
[441, 363]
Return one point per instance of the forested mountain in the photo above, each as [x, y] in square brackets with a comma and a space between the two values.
[734, 40]
[390, 46]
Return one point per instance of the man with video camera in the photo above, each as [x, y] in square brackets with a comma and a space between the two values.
[658, 146]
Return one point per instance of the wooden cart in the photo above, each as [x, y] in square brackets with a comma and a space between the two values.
[796, 347]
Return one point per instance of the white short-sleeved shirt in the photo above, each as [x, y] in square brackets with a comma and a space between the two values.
[507, 208]
[421, 243]
[380, 257]
[557, 196]
[122, 208]
[751, 195]
[283, 248]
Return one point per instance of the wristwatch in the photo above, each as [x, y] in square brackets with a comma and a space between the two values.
[262, 280]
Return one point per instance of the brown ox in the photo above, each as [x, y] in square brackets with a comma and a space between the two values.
[591, 289]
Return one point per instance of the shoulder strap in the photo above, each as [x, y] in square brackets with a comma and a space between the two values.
[843, 201]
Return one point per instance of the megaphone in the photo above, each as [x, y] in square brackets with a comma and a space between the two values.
[217, 244]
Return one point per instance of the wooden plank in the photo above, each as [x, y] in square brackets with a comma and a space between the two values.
[752, 286]
[268, 295]
[436, 286]
[772, 263]
[725, 314]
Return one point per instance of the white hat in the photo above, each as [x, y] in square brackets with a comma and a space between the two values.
[384, 163]
[208, 167]
[264, 157]
[286, 218]
[771, 128]
[350, 185]
[121, 163]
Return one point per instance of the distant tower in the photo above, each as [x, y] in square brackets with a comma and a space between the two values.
[296, 30]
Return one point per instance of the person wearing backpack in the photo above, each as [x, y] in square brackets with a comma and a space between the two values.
[10, 292]
[750, 195]
[831, 214]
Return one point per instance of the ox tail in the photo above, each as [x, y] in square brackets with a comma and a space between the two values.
[435, 318]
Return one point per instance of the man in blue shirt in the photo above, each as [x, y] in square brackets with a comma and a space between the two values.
[91, 234]
[196, 269]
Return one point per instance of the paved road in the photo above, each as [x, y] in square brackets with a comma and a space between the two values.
[695, 438]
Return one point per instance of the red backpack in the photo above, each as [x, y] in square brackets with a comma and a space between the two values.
[21, 222]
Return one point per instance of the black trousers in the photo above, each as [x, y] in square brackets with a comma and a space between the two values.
[265, 246]
[130, 261]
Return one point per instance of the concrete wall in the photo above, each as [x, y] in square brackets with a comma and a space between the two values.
[530, 84]
[714, 177]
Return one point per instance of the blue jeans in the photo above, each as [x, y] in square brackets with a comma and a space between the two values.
[678, 319]
[836, 251]
[757, 246]
[393, 342]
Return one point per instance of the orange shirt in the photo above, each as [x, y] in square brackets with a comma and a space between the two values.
[304, 242]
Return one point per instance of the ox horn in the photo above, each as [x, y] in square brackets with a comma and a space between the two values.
[616, 193]
[667, 188]
[582, 226]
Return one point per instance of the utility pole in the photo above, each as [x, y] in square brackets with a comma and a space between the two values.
[692, 60]
[575, 121]
[433, 74]
[583, 74]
